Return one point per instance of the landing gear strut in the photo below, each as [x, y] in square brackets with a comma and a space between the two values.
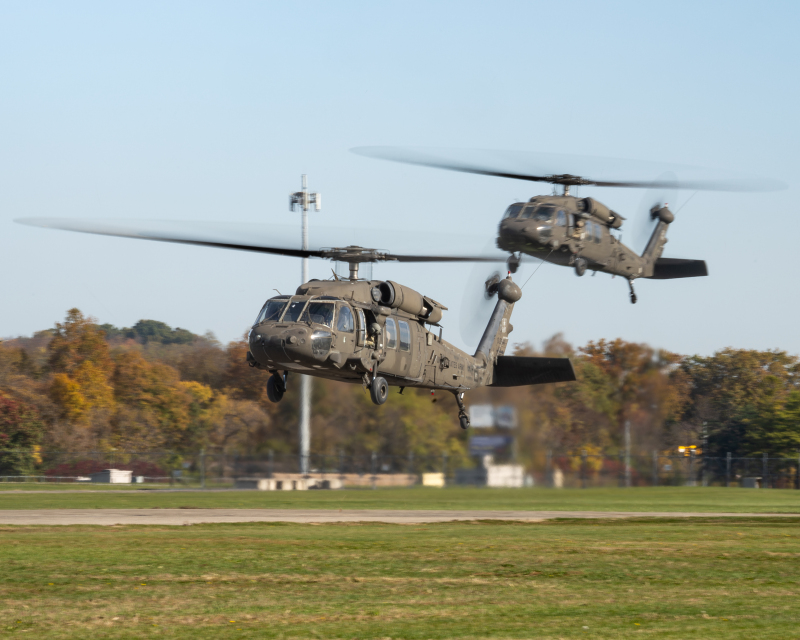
[276, 386]
[633, 293]
[463, 418]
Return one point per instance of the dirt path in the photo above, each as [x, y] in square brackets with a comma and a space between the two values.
[197, 516]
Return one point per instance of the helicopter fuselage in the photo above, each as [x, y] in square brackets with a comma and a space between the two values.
[565, 230]
[335, 329]
[377, 333]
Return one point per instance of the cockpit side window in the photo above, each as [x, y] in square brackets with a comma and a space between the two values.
[513, 211]
[345, 321]
[562, 219]
[391, 334]
[294, 310]
[318, 312]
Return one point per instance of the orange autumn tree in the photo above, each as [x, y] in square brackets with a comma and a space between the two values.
[634, 382]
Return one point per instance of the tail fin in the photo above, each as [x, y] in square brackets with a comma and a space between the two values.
[495, 337]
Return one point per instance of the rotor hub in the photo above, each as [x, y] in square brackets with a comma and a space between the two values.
[355, 254]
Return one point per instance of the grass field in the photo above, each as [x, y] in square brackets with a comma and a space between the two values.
[703, 499]
[563, 579]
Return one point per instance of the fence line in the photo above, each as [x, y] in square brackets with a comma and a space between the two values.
[557, 469]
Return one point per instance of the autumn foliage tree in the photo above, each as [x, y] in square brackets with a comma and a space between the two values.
[82, 368]
[86, 386]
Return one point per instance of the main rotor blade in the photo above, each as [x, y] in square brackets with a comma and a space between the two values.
[99, 227]
[276, 239]
[570, 169]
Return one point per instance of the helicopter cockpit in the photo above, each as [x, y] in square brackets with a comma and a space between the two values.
[318, 310]
[284, 323]
[546, 219]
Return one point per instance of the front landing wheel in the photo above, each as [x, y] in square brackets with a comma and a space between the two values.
[275, 389]
[379, 390]
[464, 421]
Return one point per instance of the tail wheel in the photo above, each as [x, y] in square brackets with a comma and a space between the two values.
[379, 390]
[275, 389]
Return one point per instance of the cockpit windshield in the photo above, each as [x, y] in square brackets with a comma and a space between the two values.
[295, 309]
[513, 211]
[542, 213]
[319, 312]
[272, 310]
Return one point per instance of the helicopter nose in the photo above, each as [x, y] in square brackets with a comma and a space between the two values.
[505, 231]
[280, 345]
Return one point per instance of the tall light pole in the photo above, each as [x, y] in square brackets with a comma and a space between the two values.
[627, 453]
[302, 200]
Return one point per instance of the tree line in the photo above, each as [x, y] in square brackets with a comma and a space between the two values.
[82, 386]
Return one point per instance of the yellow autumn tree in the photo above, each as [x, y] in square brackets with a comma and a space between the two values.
[80, 359]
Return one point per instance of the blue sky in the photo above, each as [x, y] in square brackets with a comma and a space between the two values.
[211, 111]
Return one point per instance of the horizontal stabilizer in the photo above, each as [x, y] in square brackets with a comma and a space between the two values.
[668, 268]
[518, 371]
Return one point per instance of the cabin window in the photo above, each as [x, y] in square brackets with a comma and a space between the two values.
[513, 211]
[318, 312]
[345, 322]
[598, 233]
[562, 219]
[391, 334]
[294, 310]
[405, 336]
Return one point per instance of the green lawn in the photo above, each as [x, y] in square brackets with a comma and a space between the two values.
[564, 579]
[703, 499]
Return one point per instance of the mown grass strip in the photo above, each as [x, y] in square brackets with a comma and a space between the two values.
[668, 579]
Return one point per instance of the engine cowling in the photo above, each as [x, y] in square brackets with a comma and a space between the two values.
[601, 212]
[396, 296]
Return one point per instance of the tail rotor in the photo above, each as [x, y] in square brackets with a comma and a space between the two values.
[653, 199]
[480, 296]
